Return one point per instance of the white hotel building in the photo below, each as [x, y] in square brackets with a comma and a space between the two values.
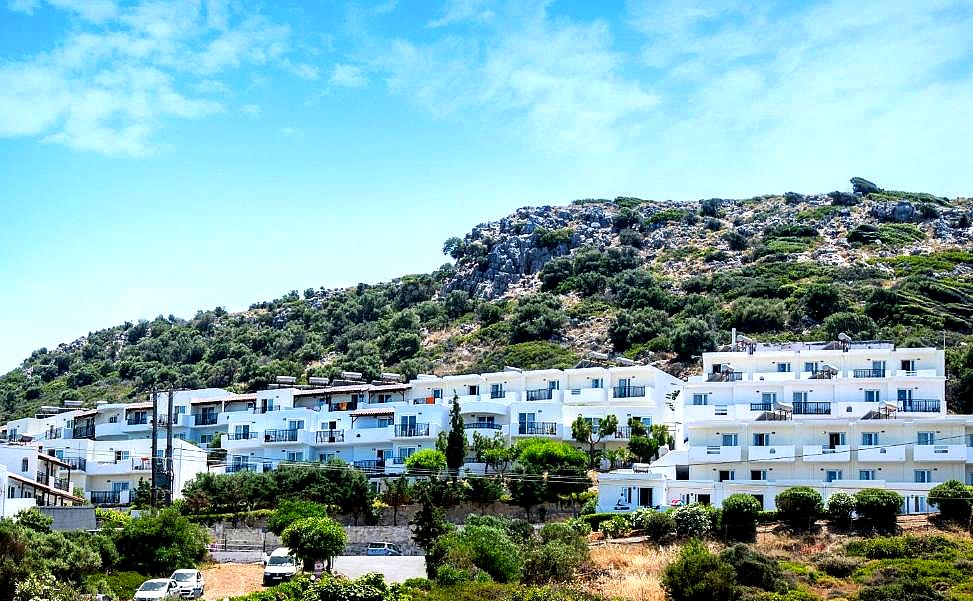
[763, 417]
[833, 416]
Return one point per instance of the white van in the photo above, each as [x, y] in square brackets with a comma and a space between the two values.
[279, 566]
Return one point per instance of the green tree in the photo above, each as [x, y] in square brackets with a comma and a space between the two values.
[426, 462]
[456, 440]
[840, 508]
[859, 327]
[397, 493]
[483, 490]
[954, 500]
[142, 499]
[35, 520]
[821, 300]
[527, 487]
[480, 547]
[537, 317]
[698, 575]
[429, 523]
[289, 511]
[645, 444]
[799, 506]
[584, 432]
[161, 543]
[692, 337]
[314, 539]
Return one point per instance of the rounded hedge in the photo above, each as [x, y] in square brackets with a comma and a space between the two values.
[799, 506]
[877, 508]
[740, 513]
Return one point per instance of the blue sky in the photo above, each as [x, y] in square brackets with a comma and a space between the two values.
[160, 157]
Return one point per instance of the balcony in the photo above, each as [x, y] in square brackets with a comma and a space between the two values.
[730, 376]
[329, 436]
[826, 454]
[916, 373]
[84, 431]
[939, 452]
[79, 464]
[240, 436]
[482, 426]
[44, 479]
[714, 454]
[919, 405]
[623, 433]
[62, 484]
[539, 429]
[105, 497]
[880, 454]
[497, 394]
[540, 394]
[139, 420]
[206, 419]
[761, 406]
[370, 465]
[411, 430]
[628, 392]
[868, 373]
[781, 453]
[812, 408]
[241, 467]
[286, 435]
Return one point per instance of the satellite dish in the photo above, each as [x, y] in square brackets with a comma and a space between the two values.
[844, 337]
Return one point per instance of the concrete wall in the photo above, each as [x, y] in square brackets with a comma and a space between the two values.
[71, 518]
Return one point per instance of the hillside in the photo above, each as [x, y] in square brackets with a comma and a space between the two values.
[653, 280]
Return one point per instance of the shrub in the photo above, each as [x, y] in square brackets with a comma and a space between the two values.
[861, 327]
[799, 507]
[740, 517]
[758, 314]
[119, 585]
[291, 511]
[837, 566]
[537, 317]
[616, 527]
[159, 544]
[693, 521]
[821, 300]
[841, 506]
[877, 508]
[753, 568]
[901, 547]
[35, 520]
[698, 575]
[559, 556]
[313, 539]
[767, 517]
[485, 548]
[595, 520]
[657, 525]
[692, 337]
[553, 238]
[426, 461]
[954, 500]
[904, 590]
[735, 240]
[630, 237]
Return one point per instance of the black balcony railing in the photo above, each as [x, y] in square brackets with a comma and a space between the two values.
[138, 420]
[481, 426]
[43, 478]
[241, 436]
[370, 465]
[288, 435]
[728, 376]
[206, 419]
[761, 406]
[84, 431]
[324, 436]
[812, 408]
[623, 432]
[627, 392]
[241, 467]
[869, 373]
[497, 394]
[538, 429]
[62, 484]
[105, 497]
[919, 405]
[51, 434]
[410, 430]
[77, 463]
[540, 394]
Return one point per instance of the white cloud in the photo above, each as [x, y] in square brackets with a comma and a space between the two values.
[458, 11]
[303, 70]
[251, 110]
[348, 76]
[289, 130]
[122, 70]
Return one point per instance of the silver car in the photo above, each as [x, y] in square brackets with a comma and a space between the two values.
[190, 583]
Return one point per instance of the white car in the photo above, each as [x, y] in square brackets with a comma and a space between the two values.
[190, 583]
[279, 566]
[157, 588]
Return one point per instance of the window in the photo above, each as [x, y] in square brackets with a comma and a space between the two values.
[437, 393]
[384, 398]
[205, 438]
[325, 457]
[761, 439]
[866, 474]
[903, 394]
[596, 383]
[869, 439]
[783, 367]
[119, 486]
[758, 474]
[768, 398]
[554, 385]
[701, 398]
[726, 475]
[473, 390]
[496, 391]
[406, 452]
[836, 439]
[923, 476]
[969, 440]
[832, 475]
[295, 455]
[908, 365]
[873, 396]
[297, 424]
[121, 456]
[594, 422]
[730, 440]
[926, 438]
[113, 419]
[25, 465]
[720, 410]
[969, 478]
[811, 366]
[624, 382]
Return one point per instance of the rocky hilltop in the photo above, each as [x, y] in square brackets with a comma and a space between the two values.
[655, 281]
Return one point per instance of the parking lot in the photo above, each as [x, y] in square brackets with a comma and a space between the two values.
[233, 579]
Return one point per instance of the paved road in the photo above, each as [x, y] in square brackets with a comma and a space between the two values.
[395, 569]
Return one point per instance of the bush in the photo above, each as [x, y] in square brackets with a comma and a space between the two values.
[485, 548]
[158, 544]
[877, 508]
[314, 539]
[692, 337]
[753, 568]
[799, 507]
[119, 585]
[426, 462]
[904, 590]
[693, 521]
[291, 511]
[740, 517]
[559, 556]
[698, 575]
[735, 240]
[537, 317]
[841, 506]
[616, 527]
[954, 500]
[902, 547]
[837, 566]
[595, 520]
[821, 300]
[859, 327]
[657, 525]
[35, 520]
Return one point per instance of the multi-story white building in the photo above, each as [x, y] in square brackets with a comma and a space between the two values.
[35, 477]
[835, 416]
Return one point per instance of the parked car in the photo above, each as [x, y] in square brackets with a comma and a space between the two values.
[157, 588]
[383, 548]
[190, 583]
[279, 566]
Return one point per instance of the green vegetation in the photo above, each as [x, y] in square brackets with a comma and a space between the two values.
[314, 539]
[553, 238]
[290, 511]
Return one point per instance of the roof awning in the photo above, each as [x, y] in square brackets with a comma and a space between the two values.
[389, 388]
[50, 489]
[373, 411]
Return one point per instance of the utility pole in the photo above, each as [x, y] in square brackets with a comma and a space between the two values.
[168, 460]
[155, 447]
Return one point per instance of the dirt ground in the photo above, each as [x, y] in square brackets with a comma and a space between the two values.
[232, 579]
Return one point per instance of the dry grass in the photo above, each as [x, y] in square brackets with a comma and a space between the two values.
[630, 572]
